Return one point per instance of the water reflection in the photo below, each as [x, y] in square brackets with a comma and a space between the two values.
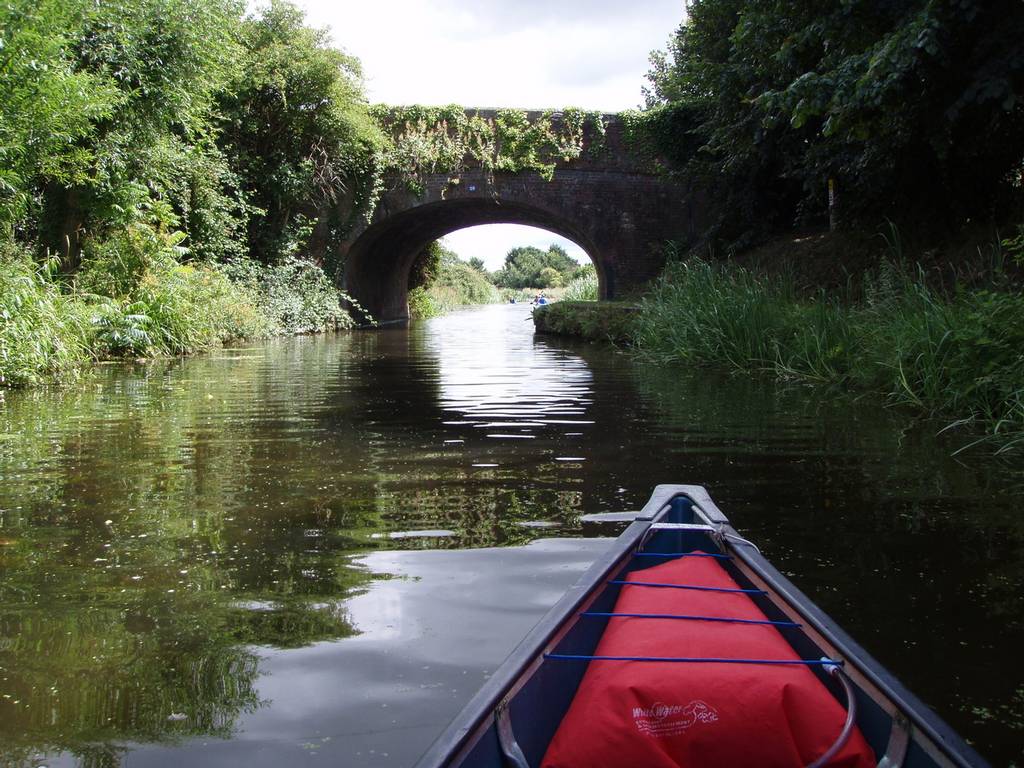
[174, 533]
[508, 382]
[292, 549]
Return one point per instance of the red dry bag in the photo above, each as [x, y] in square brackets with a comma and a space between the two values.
[644, 714]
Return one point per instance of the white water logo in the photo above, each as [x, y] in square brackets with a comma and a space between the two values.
[672, 719]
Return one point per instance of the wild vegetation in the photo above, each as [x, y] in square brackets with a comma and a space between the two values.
[582, 286]
[956, 353]
[42, 329]
[441, 282]
[296, 128]
[137, 300]
[168, 174]
[429, 140]
[612, 321]
[913, 110]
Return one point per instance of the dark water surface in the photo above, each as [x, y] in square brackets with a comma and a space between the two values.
[314, 551]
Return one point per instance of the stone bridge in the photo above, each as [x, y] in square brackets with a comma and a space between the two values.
[608, 200]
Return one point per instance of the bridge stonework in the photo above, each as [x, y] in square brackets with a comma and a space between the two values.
[618, 210]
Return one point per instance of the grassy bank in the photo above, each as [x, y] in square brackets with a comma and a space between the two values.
[456, 284]
[595, 321]
[132, 297]
[958, 353]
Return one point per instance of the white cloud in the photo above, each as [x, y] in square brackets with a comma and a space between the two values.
[527, 53]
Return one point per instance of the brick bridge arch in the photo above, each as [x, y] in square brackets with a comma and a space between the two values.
[610, 202]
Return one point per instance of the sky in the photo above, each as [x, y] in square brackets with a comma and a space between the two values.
[501, 53]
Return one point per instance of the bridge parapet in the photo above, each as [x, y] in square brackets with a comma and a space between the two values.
[454, 139]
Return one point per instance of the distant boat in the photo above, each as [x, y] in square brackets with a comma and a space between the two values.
[684, 646]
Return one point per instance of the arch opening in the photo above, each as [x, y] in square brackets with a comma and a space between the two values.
[491, 244]
[379, 261]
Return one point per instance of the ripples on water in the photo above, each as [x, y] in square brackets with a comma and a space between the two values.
[320, 547]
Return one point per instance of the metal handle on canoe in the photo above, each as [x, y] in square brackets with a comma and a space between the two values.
[721, 535]
[851, 717]
[510, 749]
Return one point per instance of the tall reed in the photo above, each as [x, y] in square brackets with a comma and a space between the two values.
[42, 330]
[582, 288]
[958, 354]
[133, 297]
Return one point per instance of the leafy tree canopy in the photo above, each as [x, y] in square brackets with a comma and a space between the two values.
[297, 126]
[914, 107]
[98, 100]
[525, 268]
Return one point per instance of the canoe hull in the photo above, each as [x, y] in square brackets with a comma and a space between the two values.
[528, 695]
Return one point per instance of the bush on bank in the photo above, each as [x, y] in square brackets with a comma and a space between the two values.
[959, 354]
[143, 301]
[293, 295]
[133, 297]
[583, 287]
[456, 284]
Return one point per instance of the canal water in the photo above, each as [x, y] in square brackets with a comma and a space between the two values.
[315, 550]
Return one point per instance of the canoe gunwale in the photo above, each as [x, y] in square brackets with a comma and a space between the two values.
[937, 738]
